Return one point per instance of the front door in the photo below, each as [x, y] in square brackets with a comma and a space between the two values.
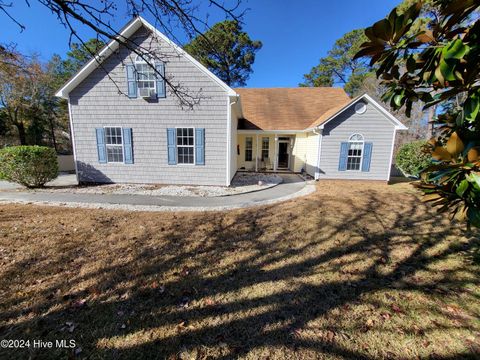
[283, 155]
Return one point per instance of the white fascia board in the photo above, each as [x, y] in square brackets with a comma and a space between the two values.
[182, 52]
[113, 45]
[244, 131]
[396, 122]
[90, 66]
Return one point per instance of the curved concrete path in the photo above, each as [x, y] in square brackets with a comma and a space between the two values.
[291, 187]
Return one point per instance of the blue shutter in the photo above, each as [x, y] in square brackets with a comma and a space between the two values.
[160, 66]
[200, 146]
[101, 148]
[367, 156]
[132, 81]
[172, 148]
[342, 164]
[127, 146]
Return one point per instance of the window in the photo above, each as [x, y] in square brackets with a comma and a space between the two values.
[355, 152]
[360, 107]
[248, 148]
[114, 144]
[146, 78]
[185, 146]
[265, 148]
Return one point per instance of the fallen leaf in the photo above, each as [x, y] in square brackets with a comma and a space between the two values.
[396, 308]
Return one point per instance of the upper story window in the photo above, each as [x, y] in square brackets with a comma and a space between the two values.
[146, 77]
[114, 144]
[355, 152]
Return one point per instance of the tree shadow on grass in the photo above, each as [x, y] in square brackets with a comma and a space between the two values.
[266, 282]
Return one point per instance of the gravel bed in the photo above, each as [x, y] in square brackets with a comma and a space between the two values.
[241, 183]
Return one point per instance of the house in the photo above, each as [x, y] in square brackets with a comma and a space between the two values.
[129, 126]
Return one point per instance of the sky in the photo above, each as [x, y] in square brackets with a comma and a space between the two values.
[295, 33]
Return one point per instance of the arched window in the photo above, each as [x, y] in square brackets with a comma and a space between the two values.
[355, 152]
[146, 78]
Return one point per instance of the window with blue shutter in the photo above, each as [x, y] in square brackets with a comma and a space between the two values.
[200, 146]
[101, 148]
[131, 81]
[160, 67]
[342, 164]
[171, 145]
[127, 146]
[367, 156]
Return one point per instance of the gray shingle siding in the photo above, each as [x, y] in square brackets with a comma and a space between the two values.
[374, 126]
[96, 103]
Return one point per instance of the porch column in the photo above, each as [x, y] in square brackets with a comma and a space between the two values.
[256, 155]
[275, 153]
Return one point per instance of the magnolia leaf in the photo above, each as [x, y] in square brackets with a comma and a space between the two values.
[426, 36]
[473, 215]
[455, 145]
[462, 187]
[438, 75]
[474, 178]
[441, 154]
[448, 70]
[455, 50]
[471, 108]
[473, 154]
[431, 197]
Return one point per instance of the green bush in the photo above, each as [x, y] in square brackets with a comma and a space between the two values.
[412, 158]
[30, 166]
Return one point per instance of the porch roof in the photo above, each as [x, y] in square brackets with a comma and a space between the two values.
[288, 108]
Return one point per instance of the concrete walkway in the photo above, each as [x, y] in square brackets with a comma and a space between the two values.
[293, 186]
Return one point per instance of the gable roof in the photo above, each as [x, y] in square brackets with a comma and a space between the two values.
[334, 112]
[297, 109]
[126, 32]
[287, 108]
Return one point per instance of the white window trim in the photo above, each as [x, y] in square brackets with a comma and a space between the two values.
[139, 60]
[176, 146]
[106, 145]
[267, 149]
[245, 153]
[361, 156]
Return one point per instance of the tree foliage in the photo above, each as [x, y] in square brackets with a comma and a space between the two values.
[171, 17]
[80, 53]
[412, 158]
[437, 64]
[30, 166]
[227, 51]
[340, 67]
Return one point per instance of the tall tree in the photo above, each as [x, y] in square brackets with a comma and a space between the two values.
[80, 53]
[169, 16]
[227, 51]
[437, 65]
[339, 67]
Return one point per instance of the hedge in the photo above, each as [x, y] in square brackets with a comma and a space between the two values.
[412, 158]
[30, 166]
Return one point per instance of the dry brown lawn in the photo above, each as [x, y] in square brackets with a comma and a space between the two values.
[357, 270]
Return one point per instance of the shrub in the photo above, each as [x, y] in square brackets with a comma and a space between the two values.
[30, 166]
[412, 158]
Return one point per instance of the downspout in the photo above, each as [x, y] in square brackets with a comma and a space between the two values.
[229, 134]
[318, 132]
[72, 139]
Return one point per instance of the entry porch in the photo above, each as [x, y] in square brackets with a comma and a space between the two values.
[277, 151]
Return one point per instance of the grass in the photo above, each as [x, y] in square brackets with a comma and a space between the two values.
[356, 270]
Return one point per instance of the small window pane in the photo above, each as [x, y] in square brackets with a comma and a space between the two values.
[185, 146]
[248, 148]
